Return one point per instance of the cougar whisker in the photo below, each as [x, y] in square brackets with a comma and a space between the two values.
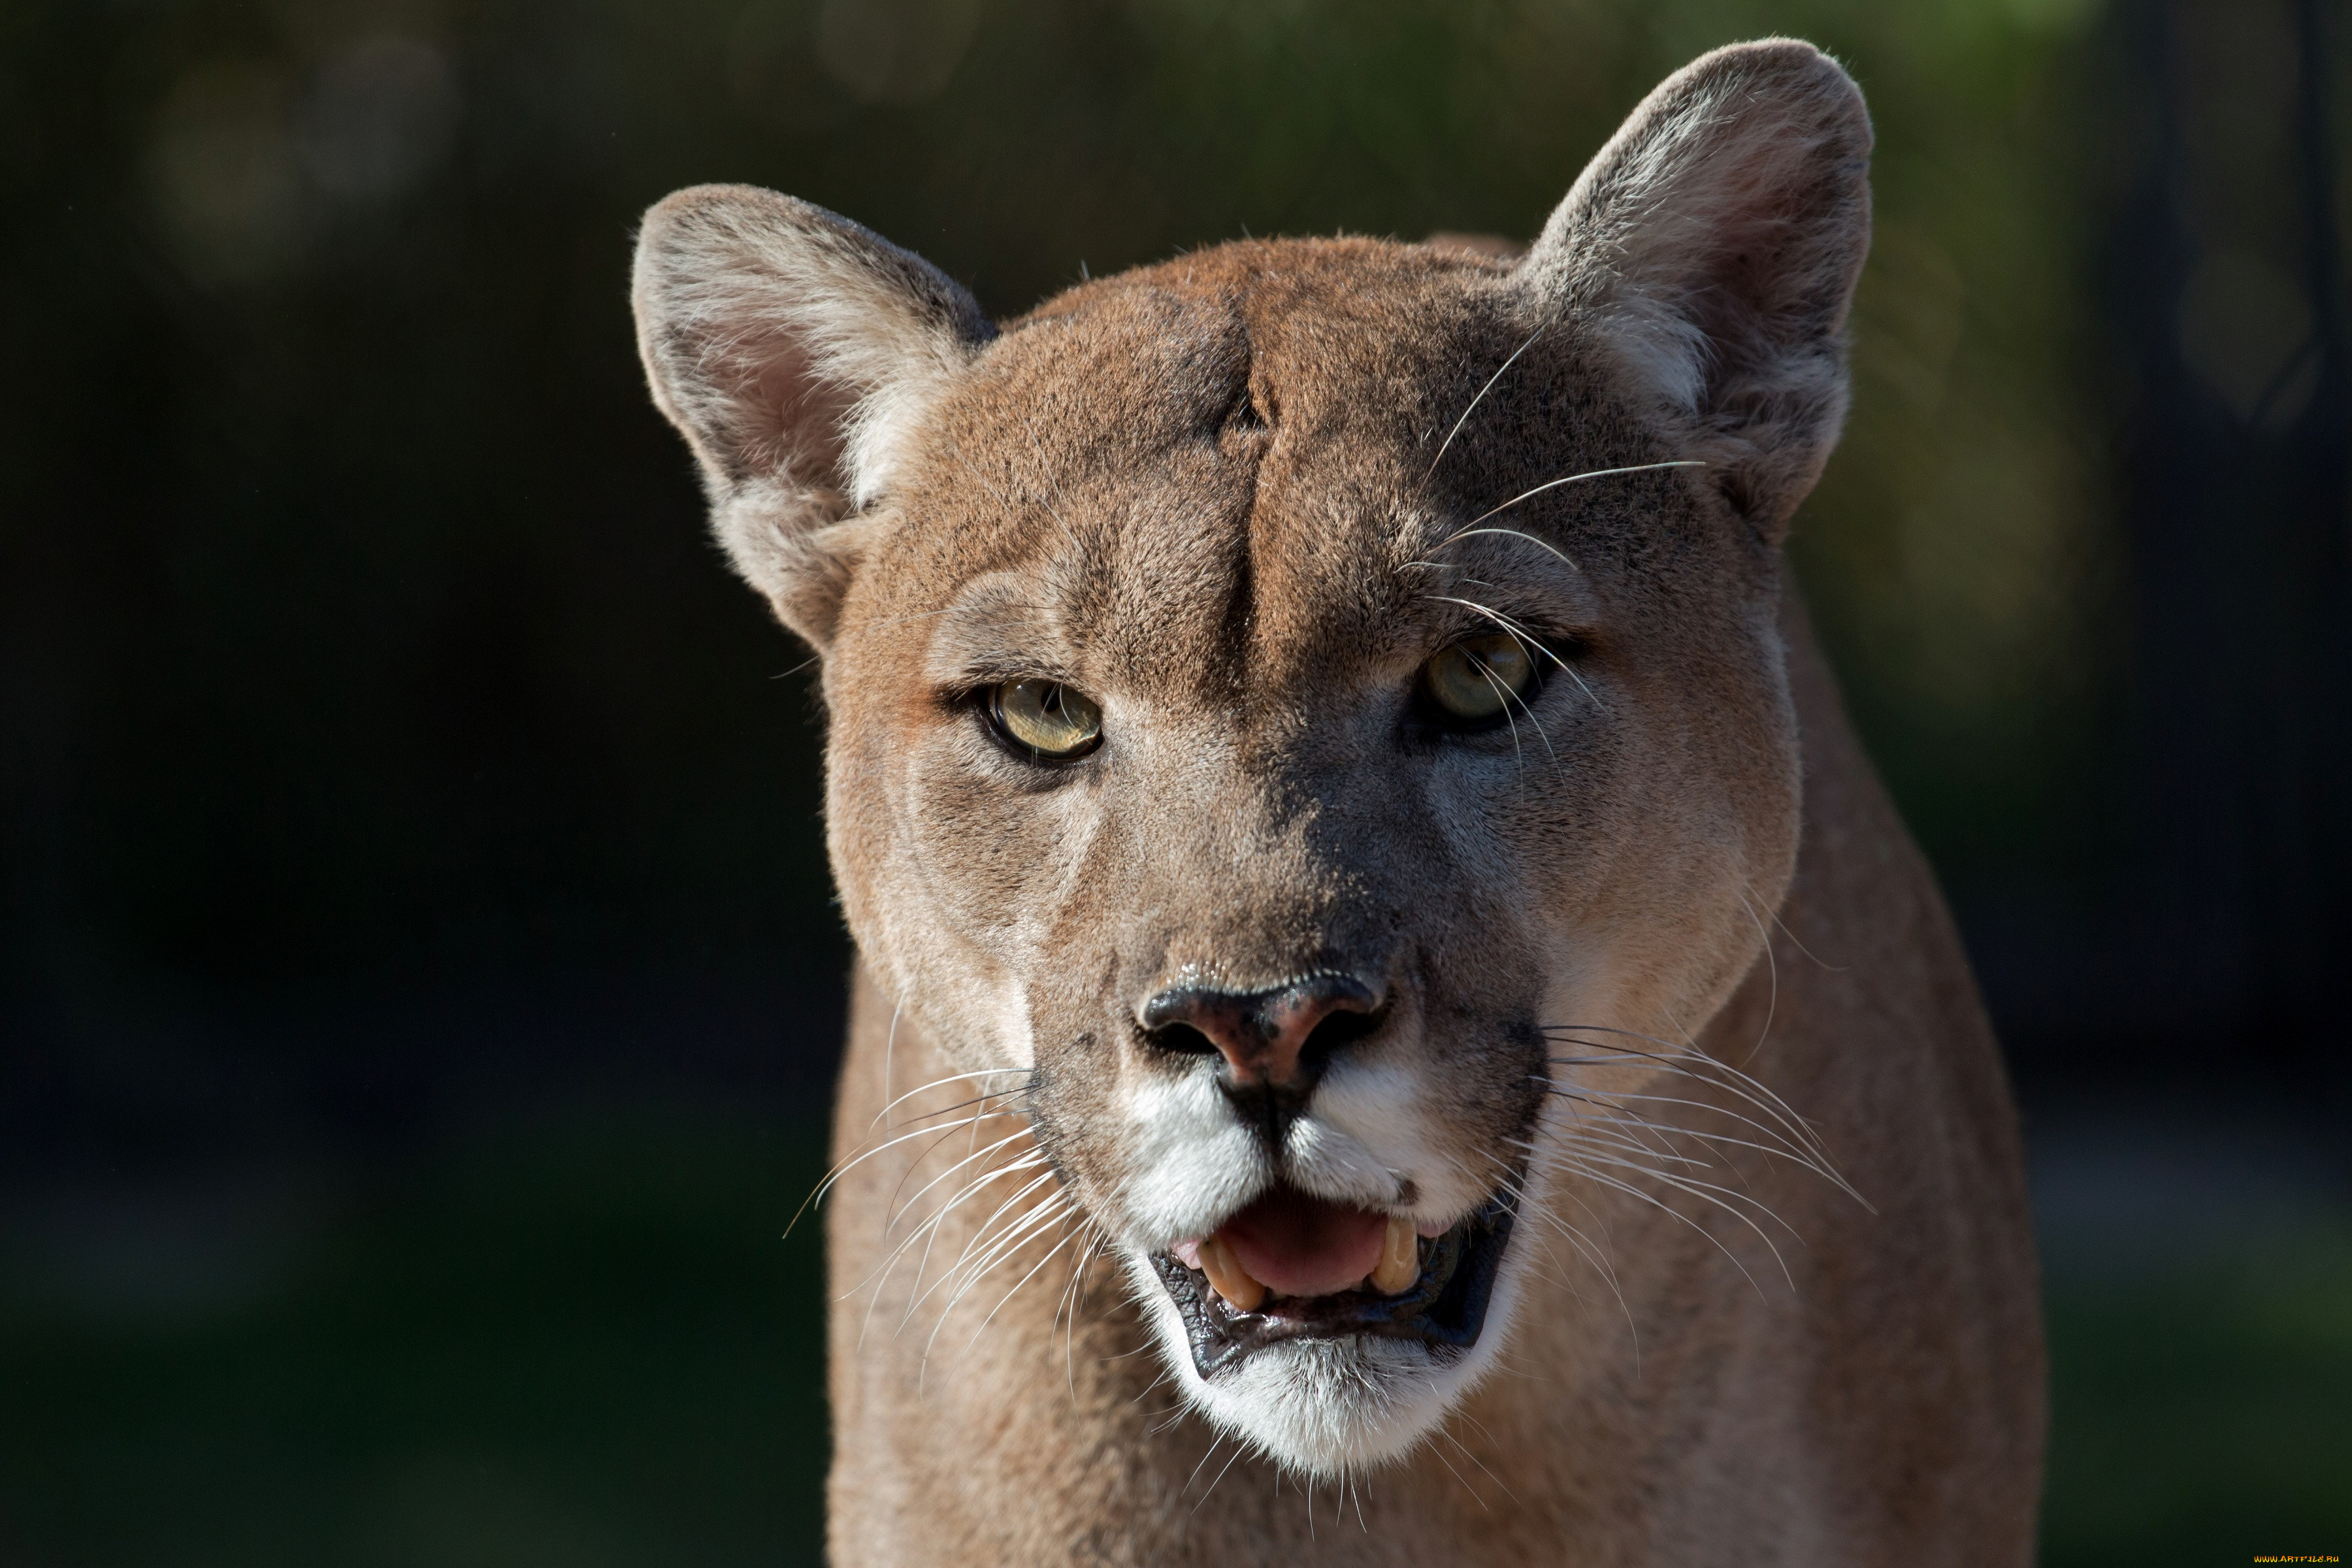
[1725, 1198]
[1464, 1449]
[1476, 399]
[951, 1078]
[846, 1167]
[1439, 1455]
[971, 1125]
[1526, 637]
[969, 1271]
[1503, 533]
[1676, 1060]
[991, 1248]
[1570, 1166]
[1588, 474]
[899, 1209]
[928, 1232]
[1812, 1158]
[1238, 1451]
[1051, 1253]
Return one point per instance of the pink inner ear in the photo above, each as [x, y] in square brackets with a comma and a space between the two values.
[785, 419]
[1768, 262]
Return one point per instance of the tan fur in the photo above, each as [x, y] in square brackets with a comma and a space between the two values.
[1228, 497]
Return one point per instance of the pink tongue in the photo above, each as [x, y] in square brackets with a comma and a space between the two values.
[1299, 1245]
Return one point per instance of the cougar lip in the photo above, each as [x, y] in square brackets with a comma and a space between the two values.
[1445, 1308]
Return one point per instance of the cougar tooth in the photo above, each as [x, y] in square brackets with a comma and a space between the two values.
[1228, 1278]
[1400, 1263]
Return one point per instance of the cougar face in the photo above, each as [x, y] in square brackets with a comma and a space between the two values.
[1270, 692]
[1279, 941]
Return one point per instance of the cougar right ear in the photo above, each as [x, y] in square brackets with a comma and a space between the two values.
[1712, 248]
[795, 351]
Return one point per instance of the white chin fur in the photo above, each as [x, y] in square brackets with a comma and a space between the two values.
[1328, 1407]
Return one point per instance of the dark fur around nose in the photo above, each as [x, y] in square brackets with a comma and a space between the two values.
[1273, 1043]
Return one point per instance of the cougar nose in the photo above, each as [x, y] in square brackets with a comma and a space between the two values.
[1279, 1039]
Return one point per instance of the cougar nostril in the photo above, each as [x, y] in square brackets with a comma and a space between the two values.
[1280, 1037]
[1336, 1030]
[1182, 1038]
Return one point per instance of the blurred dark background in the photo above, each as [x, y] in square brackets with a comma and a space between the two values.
[419, 982]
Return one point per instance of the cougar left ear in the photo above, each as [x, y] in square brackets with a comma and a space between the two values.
[795, 351]
[1711, 248]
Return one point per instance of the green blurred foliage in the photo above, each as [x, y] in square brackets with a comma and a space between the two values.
[578, 1344]
[2197, 1404]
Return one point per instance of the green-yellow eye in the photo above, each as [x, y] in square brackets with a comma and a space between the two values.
[1047, 718]
[1478, 679]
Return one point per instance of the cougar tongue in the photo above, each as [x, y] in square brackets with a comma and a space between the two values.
[1299, 1245]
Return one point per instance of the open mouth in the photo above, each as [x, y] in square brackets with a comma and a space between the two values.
[1290, 1267]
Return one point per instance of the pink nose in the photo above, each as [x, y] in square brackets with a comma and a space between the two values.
[1267, 1037]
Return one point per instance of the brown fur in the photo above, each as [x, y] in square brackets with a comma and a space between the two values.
[1226, 497]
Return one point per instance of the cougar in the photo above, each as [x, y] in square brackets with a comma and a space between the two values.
[1393, 1022]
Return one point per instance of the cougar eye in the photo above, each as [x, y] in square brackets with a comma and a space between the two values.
[1477, 678]
[1046, 718]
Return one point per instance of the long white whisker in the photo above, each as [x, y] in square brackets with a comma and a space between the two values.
[951, 1078]
[928, 1232]
[1216, 1441]
[851, 1163]
[1597, 1256]
[1464, 1449]
[1505, 694]
[1440, 1456]
[1475, 401]
[1017, 1284]
[1772, 973]
[1506, 533]
[1804, 1154]
[1074, 1296]
[1747, 1088]
[1575, 1164]
[980, 1182]
[1589, 474]
[972, 1153]
[1791, 1129]
[993, 1248]
[899, 1209]
[1213, 1485]
[998, 1250]
[1510, 697]
[1721, 1197]
[1617, 1144]
[982, 1239]
[923, 1367]
[1715, 1192]
[889, 1045]
[1780, 1146]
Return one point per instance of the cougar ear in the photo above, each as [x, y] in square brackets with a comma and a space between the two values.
[1711, 247]
[797, 351]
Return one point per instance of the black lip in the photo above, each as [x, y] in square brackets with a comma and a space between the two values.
[1444, 1310]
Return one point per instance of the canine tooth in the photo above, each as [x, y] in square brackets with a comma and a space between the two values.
[1400, 1263]
[1228, 1278]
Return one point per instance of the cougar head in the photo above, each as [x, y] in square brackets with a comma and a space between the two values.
[1271, 689]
